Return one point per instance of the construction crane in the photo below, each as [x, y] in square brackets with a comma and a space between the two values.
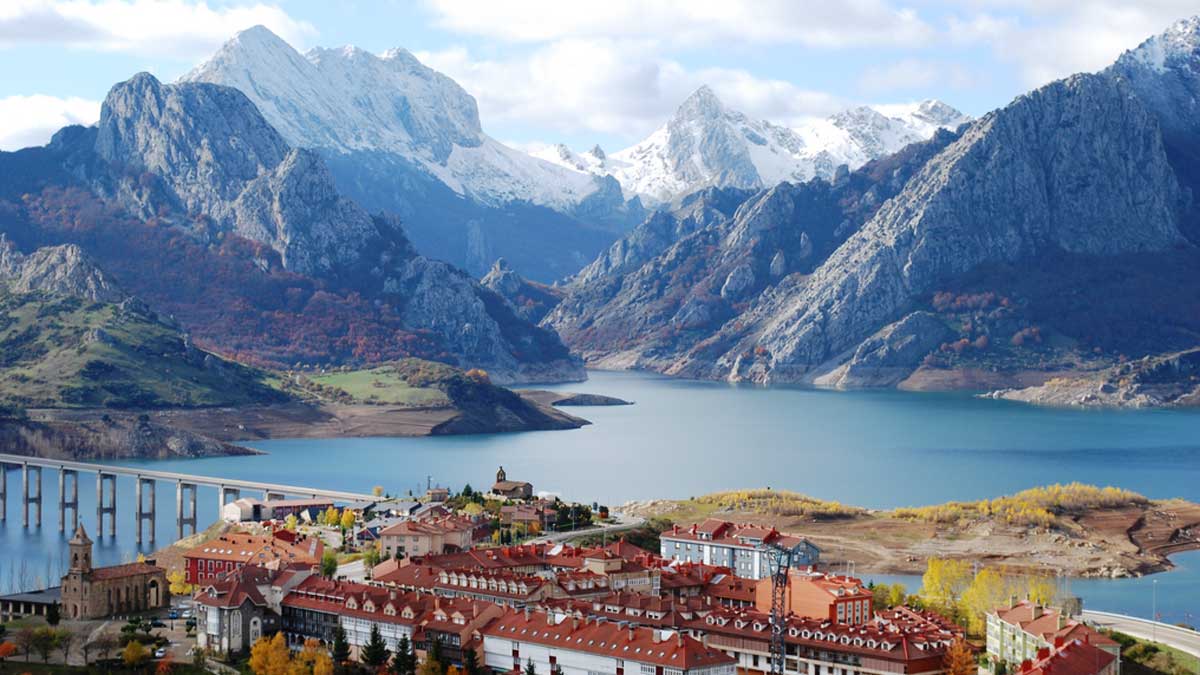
[780, 560]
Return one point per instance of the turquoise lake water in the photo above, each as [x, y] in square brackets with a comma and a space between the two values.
[875, 449]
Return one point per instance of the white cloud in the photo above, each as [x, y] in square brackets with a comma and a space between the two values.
[910, 74]
[812, 23]
[613, 87]
[31, 120]
[179, 28]
[1050, 39]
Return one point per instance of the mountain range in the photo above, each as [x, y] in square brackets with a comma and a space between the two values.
[403, 138]
[706, 144]
[191, 200]
[1053, 236]
[337, 207]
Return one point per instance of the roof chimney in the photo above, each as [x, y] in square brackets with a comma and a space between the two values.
[1062, 620]
[631, 633]
[526, 612]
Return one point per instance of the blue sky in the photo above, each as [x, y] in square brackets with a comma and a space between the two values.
[585, 71]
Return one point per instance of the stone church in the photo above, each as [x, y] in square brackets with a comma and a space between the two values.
[97, 592]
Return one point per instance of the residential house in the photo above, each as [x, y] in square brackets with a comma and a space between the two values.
[1018, 633]
[232, 613]
[413, 538]
[556, 643]
[816, 595]
[743, 548]
[1073, 657]
[235, 550]
[896, 642]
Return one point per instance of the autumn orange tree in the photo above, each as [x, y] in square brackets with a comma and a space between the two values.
[960, 658]
[270, 656]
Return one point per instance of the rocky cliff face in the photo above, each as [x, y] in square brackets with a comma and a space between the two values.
[676, 279]
[530, 300]
[200, 159]
[1077, 166]
[404, 138]
[1164, 73]
[204, 150]
[60, 270]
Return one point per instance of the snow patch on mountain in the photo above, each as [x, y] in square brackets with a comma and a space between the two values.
[706, 144]
[347, 99]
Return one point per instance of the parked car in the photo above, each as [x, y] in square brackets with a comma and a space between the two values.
[172, 614]
[157, 624]
[160, 652]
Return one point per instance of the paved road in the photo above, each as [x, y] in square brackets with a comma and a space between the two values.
[1180, 638]
[353, 571]
[620, 524]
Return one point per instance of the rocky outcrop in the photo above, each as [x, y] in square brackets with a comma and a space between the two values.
[60, 270]
[890, 355]
[529, 300]
[1149, 382]
[1076, 166]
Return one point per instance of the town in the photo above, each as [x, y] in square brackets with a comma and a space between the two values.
[507, 581]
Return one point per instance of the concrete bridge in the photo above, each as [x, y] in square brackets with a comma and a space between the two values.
[1180, 638]
[145, 481]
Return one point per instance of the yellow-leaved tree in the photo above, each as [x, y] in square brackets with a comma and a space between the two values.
[313, 658]
[347, 520]
[178, 585]
[270, 656]
[944, 582]
[988, 591]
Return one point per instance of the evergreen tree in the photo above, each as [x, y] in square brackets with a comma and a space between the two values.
[529, 669]
[53, 615]
[405, 661]
[470, 662]
[341, 648]
[375, 652]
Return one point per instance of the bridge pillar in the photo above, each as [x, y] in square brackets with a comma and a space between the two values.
[65, 502]
[141, 510]
[27, 498]
[3, 493]
[269, 496]
[184, 516]
[223, 495]
[106, 506]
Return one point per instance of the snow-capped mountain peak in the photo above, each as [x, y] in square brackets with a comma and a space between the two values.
[346, 99]
[706, 143]
[1180, 41]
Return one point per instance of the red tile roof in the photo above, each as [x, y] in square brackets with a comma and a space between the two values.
[1044, 622]
[255, 549]
[1074, 658]
[899, 636]
[670, 649]
[731, 534]
[136, 569]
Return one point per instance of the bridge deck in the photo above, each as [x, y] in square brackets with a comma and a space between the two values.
[234, 483]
